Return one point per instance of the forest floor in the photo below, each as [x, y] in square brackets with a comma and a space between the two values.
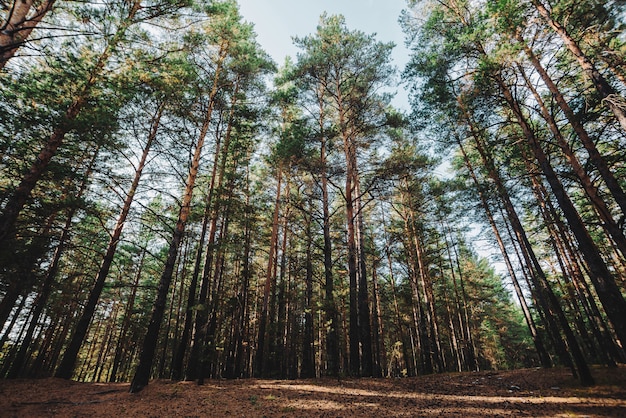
[528, 392]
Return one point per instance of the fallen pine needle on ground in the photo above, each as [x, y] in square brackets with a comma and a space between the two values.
[515, 393]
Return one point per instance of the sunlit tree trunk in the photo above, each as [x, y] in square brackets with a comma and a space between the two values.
[20, 20]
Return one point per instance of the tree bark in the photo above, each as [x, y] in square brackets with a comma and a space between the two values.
[543, 292]
[307, 369]
[18, 25]
[270, 279]
[330, 308]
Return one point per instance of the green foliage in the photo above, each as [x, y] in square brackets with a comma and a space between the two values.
[326, 119]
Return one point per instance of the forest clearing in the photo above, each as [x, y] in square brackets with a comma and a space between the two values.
[518, 393]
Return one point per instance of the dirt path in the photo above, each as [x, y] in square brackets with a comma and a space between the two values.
[530, 392]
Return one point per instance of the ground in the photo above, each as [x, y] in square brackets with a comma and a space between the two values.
[517, 393]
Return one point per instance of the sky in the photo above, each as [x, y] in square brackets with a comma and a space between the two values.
[277, 21]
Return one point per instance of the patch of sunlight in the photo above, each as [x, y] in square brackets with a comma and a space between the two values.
[338, 390]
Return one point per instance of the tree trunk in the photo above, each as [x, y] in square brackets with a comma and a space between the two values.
[18, 366]
[598, 161]
[128, 312]
[604, 282]
[396, 308]
[18, 25]
[608, 94]
[351, 225]
[146, 356]
[179, 354]
[307, 369]
[20, 196]
[66, 368]
[330, 308]
[365, 326]
[471, 359]
[609, 224]
[380, 358]
[546, 298]
[201, 317]
[544, 357]
[561, 239]
[270, 279]
[586, 245]
[419, 320]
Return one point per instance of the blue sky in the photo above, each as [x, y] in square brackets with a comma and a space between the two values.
[277, 21]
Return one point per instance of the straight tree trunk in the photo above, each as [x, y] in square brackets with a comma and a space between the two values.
[307, 369]
[213, 203]
[330, 307]
[607, 93]
[208, 361]
[148, 347]
[380, 360]
[544, 357]
[354, 333]
[237, 368]
[596, 158]
[471, 358]
[351, 224]
[179, 355]
[270, 279]
[604, 282]
[396, 308]
[126, 322]
[419, 320]
[365, 325]
[66, 368]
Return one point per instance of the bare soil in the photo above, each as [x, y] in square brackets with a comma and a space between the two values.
[518, 393]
